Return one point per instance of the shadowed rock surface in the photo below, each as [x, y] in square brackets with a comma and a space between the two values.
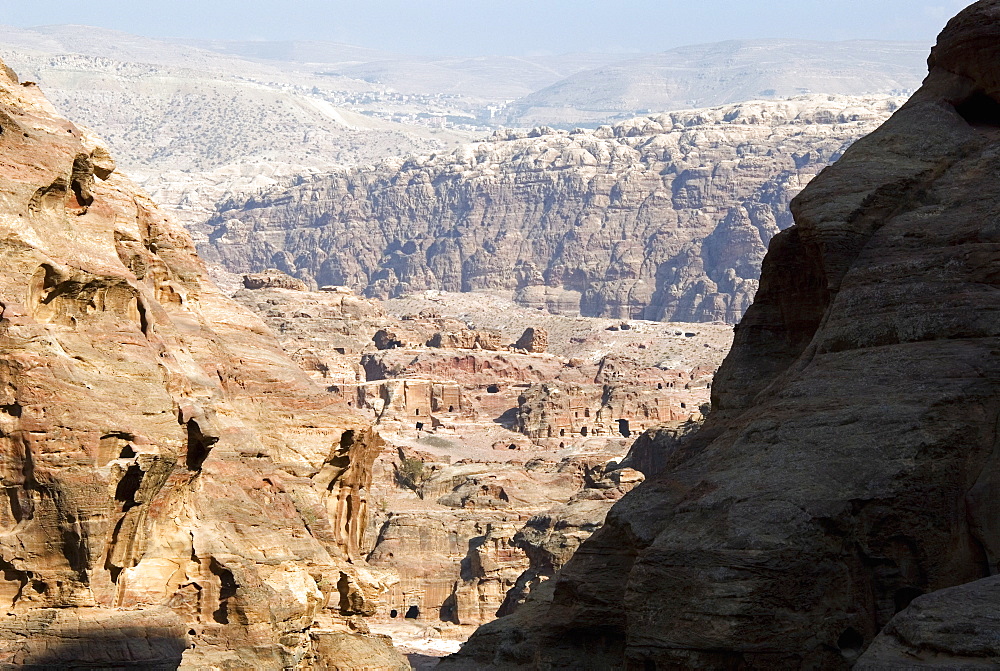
[850, 460]
[174, 484]
[665, 217]
[948, 629]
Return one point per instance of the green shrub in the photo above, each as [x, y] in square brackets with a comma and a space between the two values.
[412, 473]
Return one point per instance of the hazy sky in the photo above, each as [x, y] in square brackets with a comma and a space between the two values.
[500, 27]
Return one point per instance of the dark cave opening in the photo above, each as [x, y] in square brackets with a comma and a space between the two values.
[979, 109]
[905, 595]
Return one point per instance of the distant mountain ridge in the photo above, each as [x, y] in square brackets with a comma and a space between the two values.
[706, 75]
[664, 217]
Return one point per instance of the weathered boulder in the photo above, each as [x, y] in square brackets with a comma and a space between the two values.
[177, 490]
[533, 340]
[467, 339]
[850, 459]
[954, 628]
[273, 279]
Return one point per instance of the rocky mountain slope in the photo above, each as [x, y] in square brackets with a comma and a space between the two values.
[848, 467]
[195, 121]
[191, 125]
[177, 491]
[664, 217]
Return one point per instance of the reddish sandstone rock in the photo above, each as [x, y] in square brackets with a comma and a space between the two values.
[533, 340]
[175, 484]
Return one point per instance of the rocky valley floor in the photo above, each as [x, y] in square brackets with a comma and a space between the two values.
[507, 434]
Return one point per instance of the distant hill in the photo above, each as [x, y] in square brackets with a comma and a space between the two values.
[495, 77]
[722, 73]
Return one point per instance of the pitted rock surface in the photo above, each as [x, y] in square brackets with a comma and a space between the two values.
[178, 492]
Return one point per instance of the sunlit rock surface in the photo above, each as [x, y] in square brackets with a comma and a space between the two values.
[178, 492]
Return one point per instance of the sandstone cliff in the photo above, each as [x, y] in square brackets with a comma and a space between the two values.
[850, 461]
[665, 217]
[177, 491]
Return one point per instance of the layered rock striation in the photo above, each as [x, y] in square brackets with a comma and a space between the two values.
[665, 217]
[849, 463]
[177, 491]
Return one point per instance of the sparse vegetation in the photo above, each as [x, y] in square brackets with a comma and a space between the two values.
[412, 473]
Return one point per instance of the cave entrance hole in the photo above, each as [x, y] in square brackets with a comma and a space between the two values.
[412, 613]
[979, 109]
[623, 428]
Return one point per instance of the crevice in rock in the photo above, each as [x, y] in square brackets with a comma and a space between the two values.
[82, 180]
[28, 469]
[15, 504]
[198, 445]
[128, 486]
[346, 440]
[144, 323]
[74, 546]
[14, 582]
[227, 590]
[905, 595]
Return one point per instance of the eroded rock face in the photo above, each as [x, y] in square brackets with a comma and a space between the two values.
[849, 461]
[533, 341]
[665, 217]
[177, 490]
